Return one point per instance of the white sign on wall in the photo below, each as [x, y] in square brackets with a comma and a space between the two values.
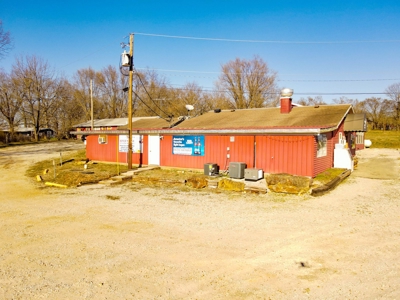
[136, 143]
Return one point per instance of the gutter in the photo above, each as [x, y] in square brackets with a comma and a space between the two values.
[309, 131]
[98, 132]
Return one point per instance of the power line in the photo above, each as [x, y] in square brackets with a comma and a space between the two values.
[287, 80]
[152, 110]
[209, 89]
[140, 79]
[263, 41]
[337, 80]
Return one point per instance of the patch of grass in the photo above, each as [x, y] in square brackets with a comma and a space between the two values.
[168, 174]
[72, 172]
[383, 139]
[328, 175]
[111, 197]
[280, 198]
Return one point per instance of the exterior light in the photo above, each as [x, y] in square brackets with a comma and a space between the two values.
[286, 92]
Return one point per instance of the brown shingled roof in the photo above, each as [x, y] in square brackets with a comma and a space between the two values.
[319, 117]
[145, 124]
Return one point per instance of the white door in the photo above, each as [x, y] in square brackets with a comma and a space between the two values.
[154, 150]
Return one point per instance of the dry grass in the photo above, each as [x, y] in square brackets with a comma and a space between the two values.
[72, 172]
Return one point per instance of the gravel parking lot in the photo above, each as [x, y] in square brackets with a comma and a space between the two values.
[135, 242]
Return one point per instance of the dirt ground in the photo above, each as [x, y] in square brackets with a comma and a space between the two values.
[134, 242]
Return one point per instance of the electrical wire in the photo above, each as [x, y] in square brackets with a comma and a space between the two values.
[152, 110]
[140, 79]
[262, 41]
[283, 80]
[212, 90]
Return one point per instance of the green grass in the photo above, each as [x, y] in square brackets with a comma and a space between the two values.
[329, 175]
[383, 139]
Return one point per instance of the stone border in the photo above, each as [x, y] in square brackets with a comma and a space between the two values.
[323, 189]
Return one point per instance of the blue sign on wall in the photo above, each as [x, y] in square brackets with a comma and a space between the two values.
[188, 145]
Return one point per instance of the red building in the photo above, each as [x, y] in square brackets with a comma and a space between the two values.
[298, 140]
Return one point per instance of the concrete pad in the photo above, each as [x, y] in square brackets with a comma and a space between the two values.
[109, 182]
[121, 177]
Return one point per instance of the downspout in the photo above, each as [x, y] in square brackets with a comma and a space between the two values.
[255, 152]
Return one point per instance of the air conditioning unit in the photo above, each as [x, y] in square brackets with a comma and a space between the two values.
[211, 169]
[236, 170]
[253, 174]
[102, 139]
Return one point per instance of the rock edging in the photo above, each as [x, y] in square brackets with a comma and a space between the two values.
[323, 189]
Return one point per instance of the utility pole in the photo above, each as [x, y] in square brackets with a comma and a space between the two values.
[131, 36]
[91, 105]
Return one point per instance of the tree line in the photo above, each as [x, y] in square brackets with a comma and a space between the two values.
[34, 95]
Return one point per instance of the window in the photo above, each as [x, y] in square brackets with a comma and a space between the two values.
[322, 145]
[360, 138]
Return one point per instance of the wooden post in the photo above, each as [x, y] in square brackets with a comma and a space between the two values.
[130, 102]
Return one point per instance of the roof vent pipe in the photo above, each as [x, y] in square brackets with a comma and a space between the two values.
[286, 100]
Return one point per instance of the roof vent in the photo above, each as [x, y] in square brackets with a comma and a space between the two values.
[218, 110]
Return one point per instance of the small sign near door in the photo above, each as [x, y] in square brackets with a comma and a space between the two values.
[136, 143]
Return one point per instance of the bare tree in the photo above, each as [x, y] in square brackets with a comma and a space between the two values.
[152, 94]
[10, 102]
[357, 105]
[111, 84]
[5, 41]
[67, 113]
[378, 112]
[216, 100]
[39, 89]
[310, 101]
[82, 95]
[248, 83]
[393, 92]
[190, 94]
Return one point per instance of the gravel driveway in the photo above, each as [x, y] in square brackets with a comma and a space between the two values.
[135, 242]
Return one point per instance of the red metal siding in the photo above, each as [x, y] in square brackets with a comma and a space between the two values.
[274, 154]
[324, 163]
[285, 154]
[241, 149]
[101, 152]
[108, 152]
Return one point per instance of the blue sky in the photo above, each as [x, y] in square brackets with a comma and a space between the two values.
[317, 47]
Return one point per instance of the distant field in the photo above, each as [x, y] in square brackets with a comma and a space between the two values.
[383, 139]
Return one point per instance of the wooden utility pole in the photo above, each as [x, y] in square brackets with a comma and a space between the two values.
[91, 105]
[130, 101]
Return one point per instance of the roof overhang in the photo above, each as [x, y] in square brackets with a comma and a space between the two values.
[355, 122]
[274, 131]
[100, 132]
[291, 131]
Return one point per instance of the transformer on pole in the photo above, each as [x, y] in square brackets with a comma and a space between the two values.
[127, 60]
